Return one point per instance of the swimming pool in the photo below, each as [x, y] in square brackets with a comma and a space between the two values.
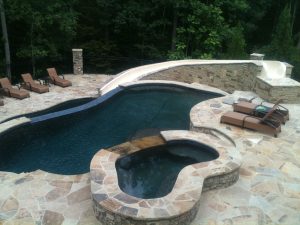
[65, 145]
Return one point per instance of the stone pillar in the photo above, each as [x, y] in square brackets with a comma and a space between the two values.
[77, 61]
[289, 69]
[256, 56]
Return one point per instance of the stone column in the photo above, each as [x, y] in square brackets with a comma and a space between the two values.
[77, 61]
[256, 56]
[289, 69]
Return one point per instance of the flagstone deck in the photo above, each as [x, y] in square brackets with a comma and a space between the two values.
[267, 192]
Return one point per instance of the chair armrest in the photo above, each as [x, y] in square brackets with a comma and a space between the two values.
[63, 77]
[27, 83]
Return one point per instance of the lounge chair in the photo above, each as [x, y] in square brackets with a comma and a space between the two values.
[264, 125]
[1, 101]
[31, 85]
[12, 92]
[259, 110]
[57, 80]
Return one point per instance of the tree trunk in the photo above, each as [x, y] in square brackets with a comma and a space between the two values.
[5, 40]
[175, 19]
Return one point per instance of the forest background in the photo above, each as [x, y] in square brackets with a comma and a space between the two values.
[119, 34]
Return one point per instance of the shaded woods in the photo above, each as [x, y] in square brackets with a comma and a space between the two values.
[119, 34]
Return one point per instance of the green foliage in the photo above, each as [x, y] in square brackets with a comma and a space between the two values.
[116, 34]
[200, 30]
[281, 44]
[282, 47]
[235, 44]
[40, 30]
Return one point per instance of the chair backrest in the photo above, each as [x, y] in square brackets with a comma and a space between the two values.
[271, 111]
[27, 78]
[52, 73]
[5, 83]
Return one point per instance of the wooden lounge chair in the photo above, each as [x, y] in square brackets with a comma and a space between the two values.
[264, 125]
[57, 80]
[1, 101]
[259, 110]
[31, 85]
[12, 92]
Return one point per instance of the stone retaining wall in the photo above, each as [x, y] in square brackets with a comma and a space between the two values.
[231, 77]
[228, 77]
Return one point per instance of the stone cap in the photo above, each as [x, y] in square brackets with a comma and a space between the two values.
[257, 56]
[77, 49]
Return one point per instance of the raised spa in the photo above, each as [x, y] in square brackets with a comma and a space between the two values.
[161, 178]
[66, 144]
[151, 173]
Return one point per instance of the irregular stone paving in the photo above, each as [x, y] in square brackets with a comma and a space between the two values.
[43, 198]
[82, 86]
[267, 192]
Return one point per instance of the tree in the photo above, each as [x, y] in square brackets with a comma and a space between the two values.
[5, 40]
[282, 42]
[41, 32]
[200, 30]
[235, 44]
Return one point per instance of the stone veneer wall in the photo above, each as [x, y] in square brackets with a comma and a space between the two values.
[108, 218]
[210, 183]
[289, 94]
[231, 77]
[221, 181]
[228, 77]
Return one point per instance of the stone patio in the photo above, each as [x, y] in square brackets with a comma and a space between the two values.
[267, 192]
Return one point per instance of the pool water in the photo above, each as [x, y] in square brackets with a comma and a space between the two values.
[66, 145]
[151, 173]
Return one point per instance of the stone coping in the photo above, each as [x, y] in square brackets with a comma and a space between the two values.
[13, 123]
[111, 204]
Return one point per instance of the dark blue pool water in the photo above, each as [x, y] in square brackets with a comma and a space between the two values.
[66, 145]
[151, 173]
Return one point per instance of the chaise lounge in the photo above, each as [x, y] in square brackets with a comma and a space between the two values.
[267, 124]
[280, 113]
[57, 80]
[31, 85]
[12, 92]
